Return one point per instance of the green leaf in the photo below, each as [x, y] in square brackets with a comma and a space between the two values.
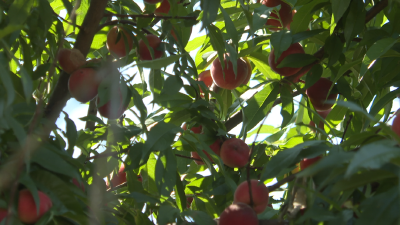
[373, 156]
[287, 105]
[230, 27]
[358, 180]
[170, 101]
[260, 17]
[19, 11]
[297, 60]
[260, 61]
[6, 80]
[159, 63]
[53, 162]
[314, 75]
[377, 49]
[339, 7]
[139, 198]
[200, 217]
[302, 17]
[285, 159]
[165, 172]
[172, 85]
[72, 134]
[41, 71]
[259, 106]
[209, 11]
[355, 108]
[92, 118]
[156, 82]
[281, 41]
[160, 138]
[334, 47]
[305, 34]
[355, 21]
[217, 41]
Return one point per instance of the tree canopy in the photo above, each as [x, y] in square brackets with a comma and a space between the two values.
[163, 99]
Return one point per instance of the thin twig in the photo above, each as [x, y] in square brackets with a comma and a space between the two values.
[281, 182]
[70, 23]
[345, 129]
[115, 22]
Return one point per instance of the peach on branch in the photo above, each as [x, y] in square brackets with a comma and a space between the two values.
[396, 125]
[285, 71]
[27, 210]
[154, 43]
[238, 214]
[83, 84]
[163, 9]
[114, 108]
[118, 41]
[308, 162]
[225, 77]
[235, 153]
[196, 130]
[318, 94]
[3, 214]
[284, 14]
[70, 59]
[260, 195]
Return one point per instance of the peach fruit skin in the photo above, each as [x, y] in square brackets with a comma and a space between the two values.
[285, 14]
[238, 214]
[259, 192]
[118, 48]
[163, 9]
[323, 114]
[396, 125]
[285, 71]
[308, 162]
[318, 92]
[27, 211]
[235, 153]
[154, 42]
[3, 214]
[229, 82]
[83, 84]
[70, 59]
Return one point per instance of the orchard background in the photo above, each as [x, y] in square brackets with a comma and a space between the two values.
[353, 43]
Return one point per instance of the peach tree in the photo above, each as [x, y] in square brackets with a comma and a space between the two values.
[179, 96]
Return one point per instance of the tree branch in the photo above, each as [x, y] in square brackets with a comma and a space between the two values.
[281, 182]
[152, 16]
[375, 10]
[115, 22]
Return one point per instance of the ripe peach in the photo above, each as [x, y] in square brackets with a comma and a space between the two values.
[285, 14]
[291, 20]
[215, 147]
[196, 130]
[83, 84]
[235, 153]
[79, 185]
[120, 177]
[3, 214]
[152, 1]
[27, 211]
[249, 70]
[118, 47]
[238, 214]
[70, 59]
[285, 71]
[154, 42]
[323, 114]
[308, 162]
[396, 125]
[259, 193]
[318, 93]
[271, 3]
[205, 76]
[226, 78]
[114, 108]
[163, 9]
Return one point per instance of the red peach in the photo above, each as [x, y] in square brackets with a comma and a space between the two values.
[318, 93]
[83, 84]
[308, 162]
[285, 71]
[271, 3]
[285, 14]
[396, 125]
[226, 78]
[114, 108]
[163, 9]
[154, 43]
[235, 153]
[3, 214]
[27, 211]
[259, 193]
[238, 214]
[196, 130]
[70, 59]
[79, 185]
[118, 47]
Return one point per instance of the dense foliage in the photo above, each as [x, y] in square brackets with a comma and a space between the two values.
[355, 44]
